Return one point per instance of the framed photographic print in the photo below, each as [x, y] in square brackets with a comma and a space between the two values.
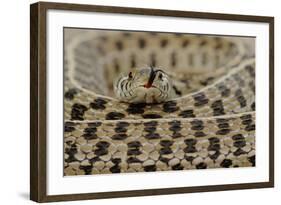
[133, 102]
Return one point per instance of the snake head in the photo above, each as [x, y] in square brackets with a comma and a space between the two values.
[146, 85]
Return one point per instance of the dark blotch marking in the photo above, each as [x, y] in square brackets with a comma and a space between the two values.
[250, 127]
[238, 137]
[201, 165]
[199, 134]
[123, 124]
[174, 123]
[223, 131]
[127, 34]
[136, 108]
[203, 43]
[151, 136]
[134, 144]
[98, 104]
[90, 136]
[69, 95]
[170, 106]
[189, 158]
[94, 159]
[134, 152]
[94, 124]
[90, 129]
[226, 163]
[213, 140]
[190, 146]
[222, 120]
[214, 144]
[215, 155]
[133, 160]
[178, 92]
[103, 38]
[225, 91]
[120, 129]
[197, 127]
[253, 106]
[239, 152]
[187, 114]
[185, 43]
[164, 159]
[87, 169]
[150, 168]
[207, 81]
[69, 127]
[173, 59]
[252, 159]
[200, 99]
[177, 167]
[223, 125]
[239, 80]
[150, 129]
[142, 43]
[218, 46]
[115, 169]
[175, 128]
[77, 111]
[166, 143]
[119, 45]
[239, 144]
[151, 123]
[176, 135]
[165, 150]
[102, 144]
[114, 116]
[190, 141]
[252, 86]
[247, 122]
[90, 133]
[151, 116]
[251, 70]
[101, 151]
[116, 160]
[119, 136]
[217, 107]
[246, 117]
[240, 98]
[163, 43]
[190, 149]
[71, 151]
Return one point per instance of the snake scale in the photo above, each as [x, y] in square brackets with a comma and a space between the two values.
[210, 124]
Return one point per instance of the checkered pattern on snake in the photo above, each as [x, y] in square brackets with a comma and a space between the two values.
[210, 124]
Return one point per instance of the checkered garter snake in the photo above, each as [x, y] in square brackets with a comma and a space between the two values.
[200, 115]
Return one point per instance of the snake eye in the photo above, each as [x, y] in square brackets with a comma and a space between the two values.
[160, 76]
[130, 75]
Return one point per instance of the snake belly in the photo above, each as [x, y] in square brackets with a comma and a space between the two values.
[211, 124]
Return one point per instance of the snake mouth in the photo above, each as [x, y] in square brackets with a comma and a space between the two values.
[147, 85]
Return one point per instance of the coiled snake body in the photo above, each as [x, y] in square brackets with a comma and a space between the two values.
[209, 123]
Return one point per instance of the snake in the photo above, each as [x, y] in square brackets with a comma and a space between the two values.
[138, 101]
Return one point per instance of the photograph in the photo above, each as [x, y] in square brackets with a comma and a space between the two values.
[130, 101]
[147, 101]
